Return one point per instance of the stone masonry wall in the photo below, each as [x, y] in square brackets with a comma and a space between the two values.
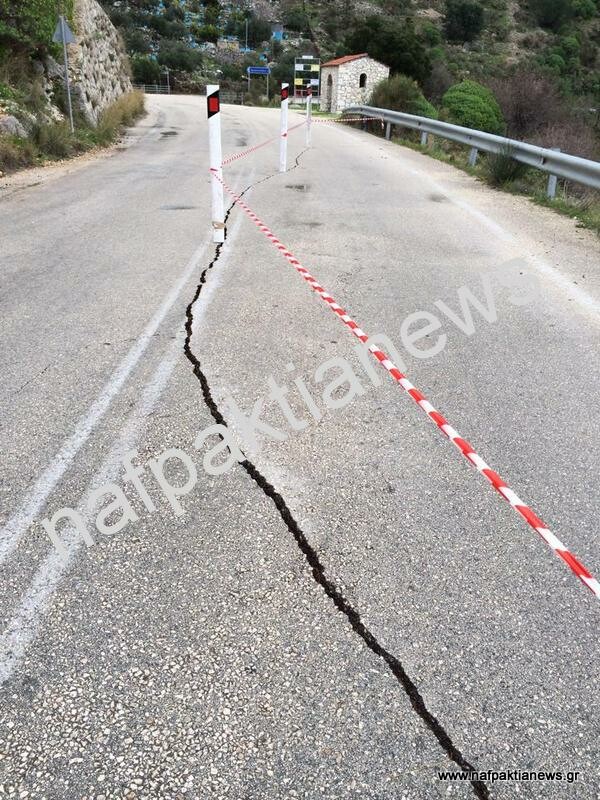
[329, 93]
[98, 64]
[346, 89]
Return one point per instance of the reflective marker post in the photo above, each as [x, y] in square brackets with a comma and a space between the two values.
[215, 157]
[285, 93]
[308, 116]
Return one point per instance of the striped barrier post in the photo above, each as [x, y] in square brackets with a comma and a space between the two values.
[215, 157]
[285, 93]
[308, 116]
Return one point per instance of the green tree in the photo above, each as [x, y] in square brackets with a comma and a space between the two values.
[295, 19]
[212, 13]
[178, 56]
[136, 41]
[401, 93]
[463, 21]
[145, 69]
[205, 33]
[551, 13]
[259, 31]
[392, 42]
[431, 33]
[283, 71]
[473, 106]
[584, 9]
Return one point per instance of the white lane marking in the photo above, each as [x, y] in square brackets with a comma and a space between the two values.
[583, 298]
[23, 626]
[13, 531]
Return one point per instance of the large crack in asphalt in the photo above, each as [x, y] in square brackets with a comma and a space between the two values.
[343, 605]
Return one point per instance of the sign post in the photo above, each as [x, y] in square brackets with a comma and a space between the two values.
[215, 157]
[258, 71]
[64, 35]
[307, 71]
[308, 116]
[285, 93]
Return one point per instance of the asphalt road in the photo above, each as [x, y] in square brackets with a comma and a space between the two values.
[352, 608]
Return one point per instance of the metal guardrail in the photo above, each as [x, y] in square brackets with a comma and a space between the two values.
[235, 98]
[152, 88]
[156, 88]
[555, 163]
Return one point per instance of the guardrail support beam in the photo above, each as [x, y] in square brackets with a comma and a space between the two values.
[424, 138]
[388, 130]
[552, 181]
[473, 156]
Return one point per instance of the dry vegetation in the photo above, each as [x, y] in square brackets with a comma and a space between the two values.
[55, 141]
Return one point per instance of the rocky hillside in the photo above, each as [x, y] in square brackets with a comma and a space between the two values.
[471, 38]
[32, 65]
[100, 70]
[32, 81]
[435, 41]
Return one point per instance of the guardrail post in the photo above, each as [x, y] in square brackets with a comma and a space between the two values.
[424, 137]
[552, 181]
[285, 93]
[388, 130]
[565, 166]
[215, 157]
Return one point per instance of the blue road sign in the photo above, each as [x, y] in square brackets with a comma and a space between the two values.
[258, 70]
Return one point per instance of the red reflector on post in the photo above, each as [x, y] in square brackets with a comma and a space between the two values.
[214, 105]
[285, 93]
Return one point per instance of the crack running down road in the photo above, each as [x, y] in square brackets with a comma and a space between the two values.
[417, 702]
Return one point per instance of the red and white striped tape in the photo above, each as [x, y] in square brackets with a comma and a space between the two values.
[236, 156]
[345, 119]
[449, 432]
[244, 153]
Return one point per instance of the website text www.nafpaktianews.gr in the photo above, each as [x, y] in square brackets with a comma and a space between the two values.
[524, 776]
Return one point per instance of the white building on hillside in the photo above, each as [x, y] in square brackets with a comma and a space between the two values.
[349, 80]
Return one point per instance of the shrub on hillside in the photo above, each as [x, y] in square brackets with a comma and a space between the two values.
[572, 134]
[501, 169]
[145, 69]
[551, 13]
[536, 111]
[15, 153]
[401, 93]
[463, 21]
[438, 82]
[28, 25]
[529, 101]
[295, 19]
[431, 34]
[122, 113]
[392, 42]
[584, 9]
[474, 106]
[54, 139]
[178, 56]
